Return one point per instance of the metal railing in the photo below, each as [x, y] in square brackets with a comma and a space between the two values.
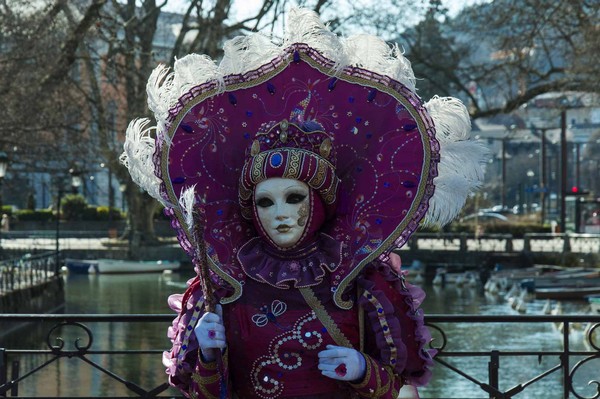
[568, 361]
[530, 242]
[27, 271]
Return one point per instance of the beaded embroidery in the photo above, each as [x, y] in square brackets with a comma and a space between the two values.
[265, 382]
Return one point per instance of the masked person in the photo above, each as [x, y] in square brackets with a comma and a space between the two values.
[309, 161]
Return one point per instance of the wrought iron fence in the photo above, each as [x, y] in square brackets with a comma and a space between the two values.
[569, 362]
[27, 271]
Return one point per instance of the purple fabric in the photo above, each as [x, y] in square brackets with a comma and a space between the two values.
[286, 150]
[414, 359]
[384, 142]
[303, 268]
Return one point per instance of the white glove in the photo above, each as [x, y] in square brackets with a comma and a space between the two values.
[340, 363]
[210, 334]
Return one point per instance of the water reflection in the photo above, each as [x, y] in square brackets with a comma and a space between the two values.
[147, 294]
[506, 338]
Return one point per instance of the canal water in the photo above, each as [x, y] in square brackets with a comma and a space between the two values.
[147, 294]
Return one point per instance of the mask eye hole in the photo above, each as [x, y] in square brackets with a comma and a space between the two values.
[264, 202]
[295, 198]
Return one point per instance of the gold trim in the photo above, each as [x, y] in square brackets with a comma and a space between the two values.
[203, 381]
[332, 328]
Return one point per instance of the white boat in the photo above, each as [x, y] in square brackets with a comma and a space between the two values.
[120, 266]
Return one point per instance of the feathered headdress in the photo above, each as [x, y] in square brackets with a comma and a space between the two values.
[400, 162]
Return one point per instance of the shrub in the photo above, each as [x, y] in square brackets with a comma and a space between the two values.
[103, 213]
[27, 215]
[73, 207]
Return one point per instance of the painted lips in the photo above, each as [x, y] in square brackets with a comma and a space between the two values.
[283, 228]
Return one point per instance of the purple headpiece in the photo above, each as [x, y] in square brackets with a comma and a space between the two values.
[291, 151]
[349, 126]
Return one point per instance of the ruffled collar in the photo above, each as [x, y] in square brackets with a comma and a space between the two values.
[304, 267]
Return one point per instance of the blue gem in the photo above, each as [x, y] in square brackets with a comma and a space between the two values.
[359, 169]
[187, 128]
[323, 330]
[379, 310]
[197, 308]
[371, 95]
[358, 119]
[276, 159]
[332, 84]
[369, 135]
[385, 328]
[189, 328]
[409, 184]
[409, 126]
[393, 361]
[378, 221]
[232, 99]
[219, 212]
[246, 136]
[248, 114]
[351, 99]
[296, 56]
[178, 180]
[184, 347]
[271, 88]
[386, 184]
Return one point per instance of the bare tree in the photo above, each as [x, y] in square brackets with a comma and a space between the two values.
[500, 55]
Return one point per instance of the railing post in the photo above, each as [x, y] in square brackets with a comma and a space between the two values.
[14, 391]
[463, 242]
[509, 243]
[493, 370]
[566, 243]
[526, 243]
[565, 359]
[3, 370]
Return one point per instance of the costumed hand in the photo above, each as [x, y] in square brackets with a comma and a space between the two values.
[210, 333]
[340, 363]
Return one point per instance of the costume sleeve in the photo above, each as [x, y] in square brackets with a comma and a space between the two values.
[185, 369]
[395, 336]
[380, 381]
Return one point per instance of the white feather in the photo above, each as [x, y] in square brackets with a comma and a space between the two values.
[462, 161]
[372, 53]
[187, 202]
[137, 156]
[451, 118]
[305, 26]
[247, 53]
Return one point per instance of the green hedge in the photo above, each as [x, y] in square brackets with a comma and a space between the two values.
[41, 215]
[73, 208]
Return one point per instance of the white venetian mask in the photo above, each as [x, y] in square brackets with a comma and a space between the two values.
[282, 207]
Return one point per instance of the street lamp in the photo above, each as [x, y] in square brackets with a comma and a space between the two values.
[3, 168]
[76, 180]
[122, 189]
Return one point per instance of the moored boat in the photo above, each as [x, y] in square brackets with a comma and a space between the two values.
[566, 292]
[594, 301]
[83, 266]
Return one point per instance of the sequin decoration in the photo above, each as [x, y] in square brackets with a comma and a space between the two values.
[281, 359]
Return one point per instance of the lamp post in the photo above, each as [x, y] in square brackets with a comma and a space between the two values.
[76, 179]
[123, 189]
[59, 192]
[3, 168]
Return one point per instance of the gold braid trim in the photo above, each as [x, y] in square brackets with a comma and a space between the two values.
[332, 328]
[203, 381]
